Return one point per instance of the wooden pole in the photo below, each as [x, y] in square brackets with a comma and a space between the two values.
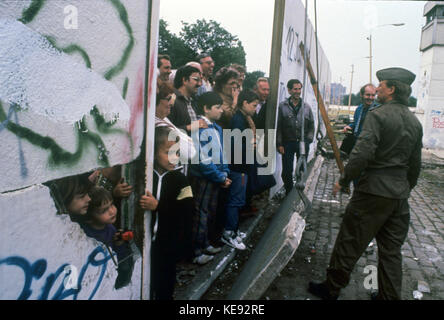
[370, 56]
[324, 114]
[350, 95]
[276, 48]
[150, 103]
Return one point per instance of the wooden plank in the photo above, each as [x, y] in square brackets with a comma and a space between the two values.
[275, 64]
[150, 106]
[324, 114]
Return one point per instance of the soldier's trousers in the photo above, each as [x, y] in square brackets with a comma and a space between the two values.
[366, 217]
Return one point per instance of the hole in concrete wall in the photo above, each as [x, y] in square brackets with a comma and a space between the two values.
[89, 200]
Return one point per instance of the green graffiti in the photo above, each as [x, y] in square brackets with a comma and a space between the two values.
[124, 18]
[72, 48]
[59, 156]
[29, 14]
[3, 116]
[106, 127]
[125, 88]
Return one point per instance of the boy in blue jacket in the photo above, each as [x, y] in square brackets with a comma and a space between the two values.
[207, 177]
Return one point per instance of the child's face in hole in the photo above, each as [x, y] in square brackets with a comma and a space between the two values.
[214, 113]
[164, 160]
[106, 213]
[79, 204]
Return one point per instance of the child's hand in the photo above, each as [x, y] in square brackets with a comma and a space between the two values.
[227, 183]
[117, 239]
[148, 202]
[94, 176]
[122, 189]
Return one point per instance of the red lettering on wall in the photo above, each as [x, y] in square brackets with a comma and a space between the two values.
[437, 123]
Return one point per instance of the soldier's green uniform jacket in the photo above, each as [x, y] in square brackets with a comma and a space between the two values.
[387, 154]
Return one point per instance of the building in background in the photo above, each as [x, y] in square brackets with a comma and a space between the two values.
[337, 93]
[431, 79]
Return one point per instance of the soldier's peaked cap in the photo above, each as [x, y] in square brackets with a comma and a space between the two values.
[400, 74]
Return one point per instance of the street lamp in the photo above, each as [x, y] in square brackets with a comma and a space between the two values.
[370, 39]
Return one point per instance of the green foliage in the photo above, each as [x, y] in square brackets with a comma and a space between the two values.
[251, 78]
[174, 46]
[201, 36]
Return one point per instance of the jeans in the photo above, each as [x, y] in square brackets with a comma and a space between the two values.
[290, 149]
[236, 199]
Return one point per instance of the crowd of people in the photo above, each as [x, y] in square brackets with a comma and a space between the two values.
[211, 195]
[196, 205]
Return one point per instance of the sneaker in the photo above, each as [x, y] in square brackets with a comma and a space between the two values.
[230, 238]
[203, 259]
[213, 250]
[241, 235]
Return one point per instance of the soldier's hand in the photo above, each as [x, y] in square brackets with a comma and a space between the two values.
[338, 188]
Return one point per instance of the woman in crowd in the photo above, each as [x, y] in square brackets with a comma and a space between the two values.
[227, 86]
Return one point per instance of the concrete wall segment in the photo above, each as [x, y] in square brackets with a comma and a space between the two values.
[71, 100]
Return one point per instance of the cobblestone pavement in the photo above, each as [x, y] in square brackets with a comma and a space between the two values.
[423, 251]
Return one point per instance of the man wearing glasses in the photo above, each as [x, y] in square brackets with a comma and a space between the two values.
[207, 65]
[182, 114]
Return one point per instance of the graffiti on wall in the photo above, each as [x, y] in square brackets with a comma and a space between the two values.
[70, 280]
[72, 96]
[87, 106]
[292, 66]
[437, 117]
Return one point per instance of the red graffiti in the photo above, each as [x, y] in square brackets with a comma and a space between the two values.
[152, 70]
[137, 105]
[437, 123]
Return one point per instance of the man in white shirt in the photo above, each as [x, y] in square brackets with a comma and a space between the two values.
[207, 64]
[262, 89]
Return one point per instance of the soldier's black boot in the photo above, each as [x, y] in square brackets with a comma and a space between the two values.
[320, 290]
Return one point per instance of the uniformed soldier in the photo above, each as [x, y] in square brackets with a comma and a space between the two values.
[387, 161]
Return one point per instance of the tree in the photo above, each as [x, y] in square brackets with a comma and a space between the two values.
[201, 36]
[179, 52]
[251, 78]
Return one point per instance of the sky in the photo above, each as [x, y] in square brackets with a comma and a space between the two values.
[343, 29]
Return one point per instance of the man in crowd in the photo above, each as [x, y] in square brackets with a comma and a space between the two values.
[387, 158]
[289, 127]
[182, 114]
[164, 67]
[198, 67]
[368, 93]
[262, 89]
[207, 65]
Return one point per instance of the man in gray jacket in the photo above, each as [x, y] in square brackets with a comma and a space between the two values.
[289, 127]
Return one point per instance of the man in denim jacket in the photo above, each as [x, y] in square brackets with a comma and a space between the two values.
[368, 93]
